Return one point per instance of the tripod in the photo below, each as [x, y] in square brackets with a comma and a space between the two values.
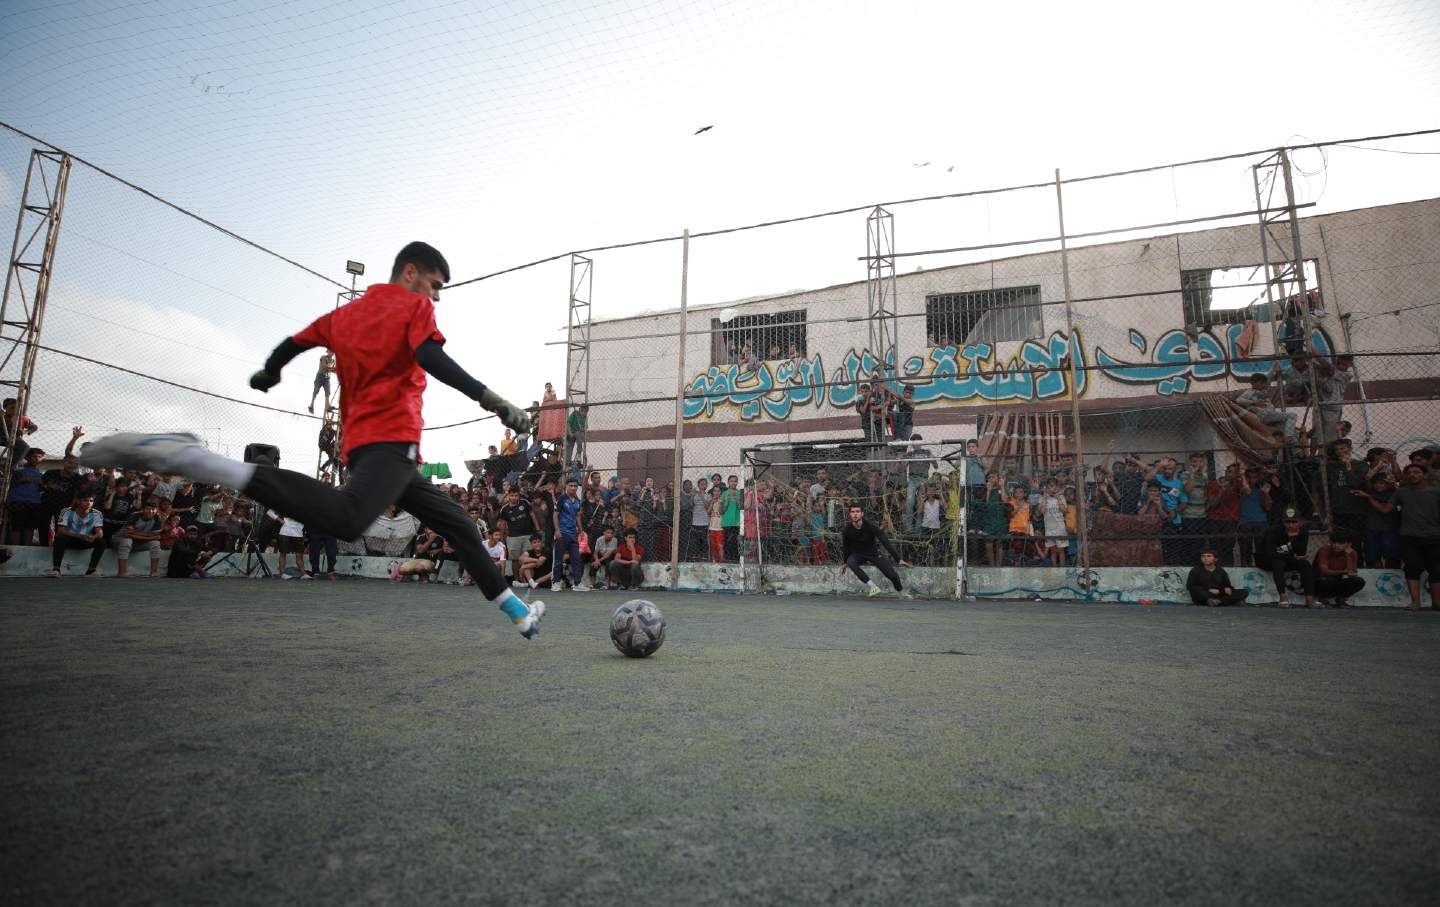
[254, 560]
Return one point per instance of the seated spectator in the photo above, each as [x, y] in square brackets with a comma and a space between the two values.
[1209, 584]
[602, 553]
[626, 570]
[143, 531]
[1285, 545]
[495, 547]
[79, 526]
[188, 557]
[1337, 572]
[535, 563]
[1260, 401]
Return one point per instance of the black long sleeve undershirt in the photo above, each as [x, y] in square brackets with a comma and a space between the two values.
[431, 356]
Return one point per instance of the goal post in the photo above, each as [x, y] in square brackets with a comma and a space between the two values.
[798, 496]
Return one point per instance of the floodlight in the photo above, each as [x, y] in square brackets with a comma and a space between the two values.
[355, 267]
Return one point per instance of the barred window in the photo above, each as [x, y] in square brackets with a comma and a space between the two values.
[1232, 295]
[985, 316]
[758, 338]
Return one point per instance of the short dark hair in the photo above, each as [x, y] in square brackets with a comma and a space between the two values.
[631, 534]
[424, 257]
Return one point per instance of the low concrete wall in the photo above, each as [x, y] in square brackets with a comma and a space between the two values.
[1383, 588]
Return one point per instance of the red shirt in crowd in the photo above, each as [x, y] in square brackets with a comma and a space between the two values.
[1330, 561]
[374, 339]
[629, 552]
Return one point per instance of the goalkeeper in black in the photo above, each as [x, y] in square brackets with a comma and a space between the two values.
[861, 541]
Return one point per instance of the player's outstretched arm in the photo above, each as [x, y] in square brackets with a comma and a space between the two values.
[269, 376]
[431, 356]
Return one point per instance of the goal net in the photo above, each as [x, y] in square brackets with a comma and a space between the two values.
[915, 491]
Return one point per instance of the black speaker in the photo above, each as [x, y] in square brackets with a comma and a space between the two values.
[262, 454]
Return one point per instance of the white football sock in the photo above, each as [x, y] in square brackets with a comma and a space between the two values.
[210, 468]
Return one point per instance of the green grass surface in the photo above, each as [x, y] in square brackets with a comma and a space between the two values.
[248, 741]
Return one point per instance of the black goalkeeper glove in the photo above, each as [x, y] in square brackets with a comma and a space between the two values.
[262, 381]
[513, 417]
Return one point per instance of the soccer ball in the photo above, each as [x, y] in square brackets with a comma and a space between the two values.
[637, 628]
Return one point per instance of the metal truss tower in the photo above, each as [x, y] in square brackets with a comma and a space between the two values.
[880, 287]
[1285, 271]
[27, 284]
[577, 337]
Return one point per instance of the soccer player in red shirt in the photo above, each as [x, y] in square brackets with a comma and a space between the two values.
[385, 343]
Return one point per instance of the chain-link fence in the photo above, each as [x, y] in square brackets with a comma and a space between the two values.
[1148, 363]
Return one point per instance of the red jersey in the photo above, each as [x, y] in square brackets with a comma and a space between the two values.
[374, 339]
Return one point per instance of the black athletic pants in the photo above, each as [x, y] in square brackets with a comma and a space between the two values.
[881, 562]
[65, 543]
[381, 474]
[320, 542]
[1283, 564]
[1236, 597]
[1338, 586]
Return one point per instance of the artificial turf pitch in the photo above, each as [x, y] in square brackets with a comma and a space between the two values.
[249, 741]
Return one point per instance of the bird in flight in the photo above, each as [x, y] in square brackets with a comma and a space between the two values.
[704, 129]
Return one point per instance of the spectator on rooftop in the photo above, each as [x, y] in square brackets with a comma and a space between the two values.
[508, 445]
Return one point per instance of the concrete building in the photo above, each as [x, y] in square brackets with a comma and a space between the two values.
[1154, 326]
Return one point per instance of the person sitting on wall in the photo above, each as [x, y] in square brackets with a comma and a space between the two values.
[188, 557]
[1209, 584]
[1337, 572]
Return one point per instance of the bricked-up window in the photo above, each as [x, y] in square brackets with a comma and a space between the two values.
[766, 338]
[1232, 295]
[985, 316]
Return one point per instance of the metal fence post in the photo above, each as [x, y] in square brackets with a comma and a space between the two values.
[680, 413]
[1080, 511]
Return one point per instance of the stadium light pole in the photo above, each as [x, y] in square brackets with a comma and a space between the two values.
[675, 527]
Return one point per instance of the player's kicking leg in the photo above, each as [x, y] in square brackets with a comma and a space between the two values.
[440, 512]
[379, 475]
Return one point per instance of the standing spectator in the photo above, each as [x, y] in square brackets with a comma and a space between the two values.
[323, 371]
[715, 506]
[79, 526]
[1382, 523]
[627, 568]
[566, 518]
[903, 420]
[292, 541]
[330, 545]
[186, 502]
[1223, 514]
[519, 523]
[1209, 584]
[575, 426]
[699, 528]
[27, 515]
[1194, 521]
[1285, 545]
[1129, 485]
[59, 487]
[1337, 572]
[1345, 476]
[508, 445]
[1426, 458]
[730, 520]
[1052, 509]
[994, 519]
[756, 517]
[1419, 504]
[1332, 382]
[143, 530]
[188, 557]
[13, 429]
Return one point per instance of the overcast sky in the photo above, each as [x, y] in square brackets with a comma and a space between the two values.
[505, 132]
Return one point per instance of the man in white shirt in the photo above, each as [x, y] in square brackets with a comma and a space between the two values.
[292, 541]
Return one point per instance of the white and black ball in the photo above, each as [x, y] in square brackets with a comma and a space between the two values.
[637, 628]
